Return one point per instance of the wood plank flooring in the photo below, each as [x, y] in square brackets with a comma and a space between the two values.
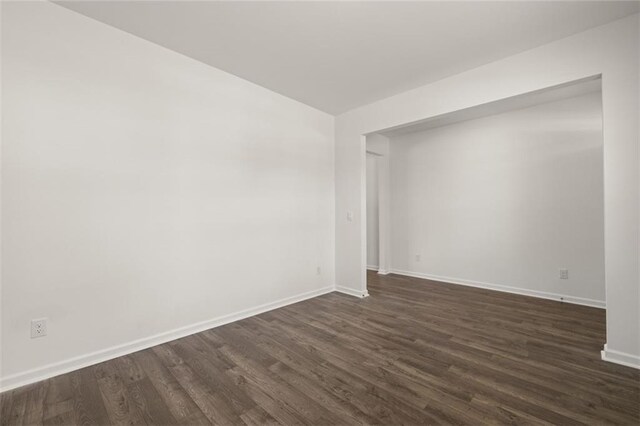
[414, 352]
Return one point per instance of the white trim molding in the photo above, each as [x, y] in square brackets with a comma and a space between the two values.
[352, 292]
[372, 267]
[72, 364]
[383, 272]
[622, 358]
[507, 289]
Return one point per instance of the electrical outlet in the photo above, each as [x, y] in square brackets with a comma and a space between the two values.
[417, 258]
[38, 327]
[564, 274]
[318, 270]
[349, 216]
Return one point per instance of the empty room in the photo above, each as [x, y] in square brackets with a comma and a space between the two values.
[319, 212]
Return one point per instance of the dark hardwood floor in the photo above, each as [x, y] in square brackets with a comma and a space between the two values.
[415, 352]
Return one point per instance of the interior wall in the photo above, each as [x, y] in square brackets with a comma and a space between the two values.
[505, 200]
[144, 193]
[610, 50]
[378, 145]
[372, 212]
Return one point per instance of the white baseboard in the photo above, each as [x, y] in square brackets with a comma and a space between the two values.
[71, 364]
[621, 358]
[515, 290]
[378, 270]
[351, 291]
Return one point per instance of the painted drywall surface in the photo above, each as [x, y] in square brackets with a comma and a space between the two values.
[379, 146]
[507, 199]
[611, 50]
[1, 292]
[372, 211]
[144, 191]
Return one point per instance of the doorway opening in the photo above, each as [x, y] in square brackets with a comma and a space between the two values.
[507, 196]
[373, 206]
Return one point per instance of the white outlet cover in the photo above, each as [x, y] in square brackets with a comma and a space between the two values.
[38, 327]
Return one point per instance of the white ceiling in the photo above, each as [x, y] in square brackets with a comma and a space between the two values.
[336, 56]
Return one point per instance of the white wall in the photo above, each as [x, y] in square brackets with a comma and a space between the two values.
[611, 50]
[144, 191]
[372, 211]
[505, 200]
[378, 145]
